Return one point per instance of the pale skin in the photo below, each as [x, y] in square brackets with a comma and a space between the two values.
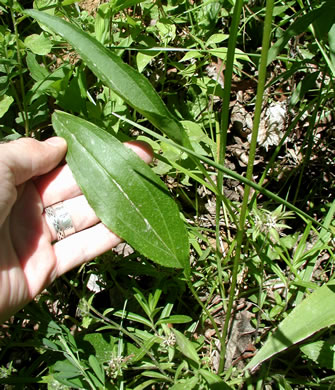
[33, 178]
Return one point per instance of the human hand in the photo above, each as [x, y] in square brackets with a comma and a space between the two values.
[30, 256]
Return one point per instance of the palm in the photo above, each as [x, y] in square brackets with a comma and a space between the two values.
[31, 240]
[30, 258]
[27, 255]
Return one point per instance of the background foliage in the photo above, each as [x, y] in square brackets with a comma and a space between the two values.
[254, 184]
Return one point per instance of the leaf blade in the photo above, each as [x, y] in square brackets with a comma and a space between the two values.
[186, 346]
[319, 308]
[110, 174]
[124, 80]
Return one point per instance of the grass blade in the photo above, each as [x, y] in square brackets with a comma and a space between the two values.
[298, 27]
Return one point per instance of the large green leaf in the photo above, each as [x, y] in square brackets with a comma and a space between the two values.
[124, 80]
[124, 192]
[316, 312]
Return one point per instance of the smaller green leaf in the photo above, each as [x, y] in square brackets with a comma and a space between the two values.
[186, 384]
[186, 346]
[175, 319]
[166, 310]
[37, 72]
[5, 103]
[133, 317]
[216, 38]
[143, 59]
[121, 78]
[97, 368]
[38, 44]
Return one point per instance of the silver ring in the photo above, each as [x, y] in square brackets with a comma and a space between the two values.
[60, 219]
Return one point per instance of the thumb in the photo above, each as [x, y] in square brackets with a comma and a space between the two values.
[27, 157]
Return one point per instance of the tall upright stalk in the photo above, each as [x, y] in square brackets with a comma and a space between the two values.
[222, 136]
[252, 153]
[19, 60]
[228, 73]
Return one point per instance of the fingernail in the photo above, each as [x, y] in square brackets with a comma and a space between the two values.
[56, 141]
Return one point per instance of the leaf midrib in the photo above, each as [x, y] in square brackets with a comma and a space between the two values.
[101, 50]
[101, 167]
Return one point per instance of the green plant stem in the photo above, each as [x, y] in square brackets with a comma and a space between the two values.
[76, 362]
[276, 152]
[19, 60]
[204, 308]
[222, 140]
[252, 153]
[221, 147]
[310, 141]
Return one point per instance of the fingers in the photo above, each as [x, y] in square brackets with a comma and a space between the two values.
[57, 186]
[142, 149]
[81, 214]
[27, 157]
[91, 238]
[60, 184]
[83, 246]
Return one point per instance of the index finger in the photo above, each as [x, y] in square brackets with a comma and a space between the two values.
[60, 184]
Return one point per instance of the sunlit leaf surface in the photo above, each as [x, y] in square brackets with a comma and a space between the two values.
[124, 192]
[312, 314]
[124, 80]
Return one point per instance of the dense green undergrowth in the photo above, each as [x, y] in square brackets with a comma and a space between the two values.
[242, 126]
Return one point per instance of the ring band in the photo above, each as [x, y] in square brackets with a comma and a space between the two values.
[60, 219]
